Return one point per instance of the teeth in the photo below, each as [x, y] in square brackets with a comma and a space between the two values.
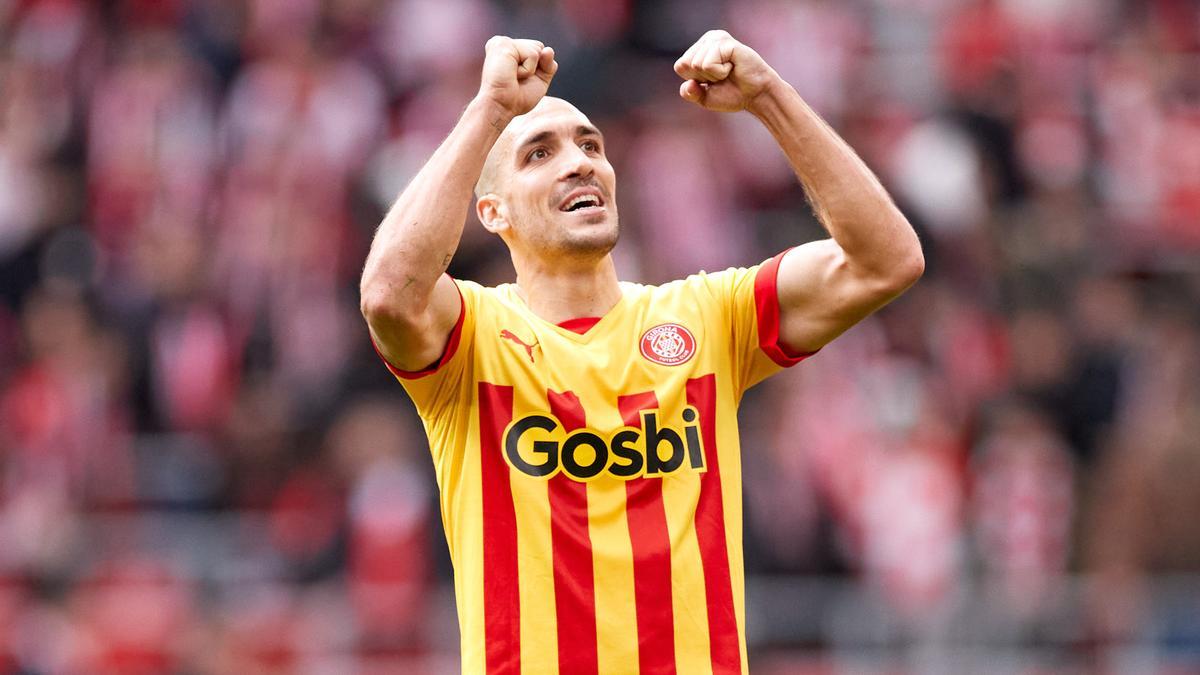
[583, 199]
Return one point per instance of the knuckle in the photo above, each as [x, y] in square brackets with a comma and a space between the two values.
[499, 43]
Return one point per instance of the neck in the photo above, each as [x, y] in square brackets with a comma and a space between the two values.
[558, 292]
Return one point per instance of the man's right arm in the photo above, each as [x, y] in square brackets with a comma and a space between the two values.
[409, 304]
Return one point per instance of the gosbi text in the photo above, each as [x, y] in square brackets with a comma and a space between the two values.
[539, 445]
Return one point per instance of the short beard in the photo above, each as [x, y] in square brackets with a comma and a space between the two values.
[587, 245]
[591, 242]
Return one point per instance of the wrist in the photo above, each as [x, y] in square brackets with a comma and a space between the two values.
[770, 98]
[495, 114]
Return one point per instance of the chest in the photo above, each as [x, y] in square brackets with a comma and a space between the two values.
[624, 400]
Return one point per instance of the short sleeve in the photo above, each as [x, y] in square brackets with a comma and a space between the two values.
[750, 304]
[436, 387]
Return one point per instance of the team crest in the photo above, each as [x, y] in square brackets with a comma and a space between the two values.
[668, 344]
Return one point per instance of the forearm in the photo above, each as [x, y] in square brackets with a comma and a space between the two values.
[420, 233]
[846, 196]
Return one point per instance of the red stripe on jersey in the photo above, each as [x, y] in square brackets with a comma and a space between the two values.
[710, 533]
[651, 544]
[574, 587]
[766, 309]
[501, 590]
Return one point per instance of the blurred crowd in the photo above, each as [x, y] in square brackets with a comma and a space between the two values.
[205, 469]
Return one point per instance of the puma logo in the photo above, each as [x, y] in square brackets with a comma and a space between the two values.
[508, 335]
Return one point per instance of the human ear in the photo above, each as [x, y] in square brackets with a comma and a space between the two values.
[490, 211]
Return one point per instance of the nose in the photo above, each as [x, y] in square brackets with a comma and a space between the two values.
[576, 164]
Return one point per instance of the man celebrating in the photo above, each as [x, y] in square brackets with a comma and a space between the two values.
[583, 429]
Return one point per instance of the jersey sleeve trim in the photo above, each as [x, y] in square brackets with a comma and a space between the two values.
[447, 353]
[766, 305]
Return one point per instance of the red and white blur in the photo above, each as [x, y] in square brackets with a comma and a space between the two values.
[204, 467]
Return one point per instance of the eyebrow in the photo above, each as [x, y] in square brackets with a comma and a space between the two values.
[543, 136]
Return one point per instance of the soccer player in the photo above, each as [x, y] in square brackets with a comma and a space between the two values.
[583, 429]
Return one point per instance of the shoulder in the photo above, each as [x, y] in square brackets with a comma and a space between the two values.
[468, 287]
[706, 284]
[482, 297]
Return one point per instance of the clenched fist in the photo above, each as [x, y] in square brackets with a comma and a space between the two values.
[723, 74]
[516, 73]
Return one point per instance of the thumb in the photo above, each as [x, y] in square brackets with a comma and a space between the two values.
[546, 65]
[691, 90]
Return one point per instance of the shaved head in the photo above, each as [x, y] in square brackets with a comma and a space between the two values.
[487, 182]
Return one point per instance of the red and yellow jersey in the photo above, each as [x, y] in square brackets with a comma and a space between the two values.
[591, 483]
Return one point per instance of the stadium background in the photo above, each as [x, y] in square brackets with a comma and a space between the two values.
[204, 468]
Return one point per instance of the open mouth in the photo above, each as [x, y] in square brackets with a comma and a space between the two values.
[579, 201]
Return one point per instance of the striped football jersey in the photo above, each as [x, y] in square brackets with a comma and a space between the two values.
[590, 483]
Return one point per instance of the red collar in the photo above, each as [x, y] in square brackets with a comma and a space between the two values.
[580, 325]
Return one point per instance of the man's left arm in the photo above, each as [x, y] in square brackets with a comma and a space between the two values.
[826, 286]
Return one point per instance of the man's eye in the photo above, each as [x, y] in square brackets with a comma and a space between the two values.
[590, 146]
[540, 153]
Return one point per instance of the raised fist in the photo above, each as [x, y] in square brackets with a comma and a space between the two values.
[722, 74]
[516, 73]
